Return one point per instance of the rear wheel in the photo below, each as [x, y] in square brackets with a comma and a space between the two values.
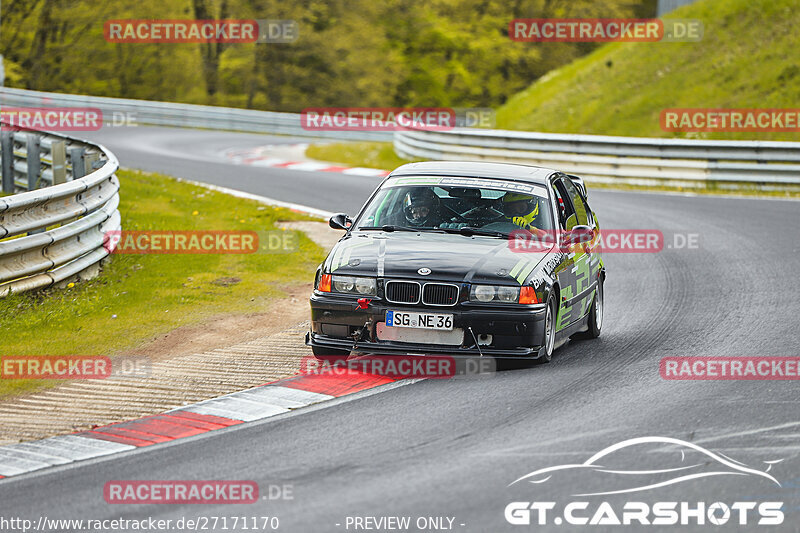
[329, 355]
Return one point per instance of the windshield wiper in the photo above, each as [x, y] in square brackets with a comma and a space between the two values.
[470, 231]
[466, 230]
[388, 228]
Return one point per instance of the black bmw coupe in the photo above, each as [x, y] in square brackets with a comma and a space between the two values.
[462, 258]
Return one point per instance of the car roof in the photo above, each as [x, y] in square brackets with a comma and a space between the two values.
[477, 169]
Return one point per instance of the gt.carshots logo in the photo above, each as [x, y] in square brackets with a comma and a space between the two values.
[602, 475]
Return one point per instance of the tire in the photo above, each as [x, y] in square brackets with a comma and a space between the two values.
[595, 320]
[550, 319]
[545, 353]
[330, 356]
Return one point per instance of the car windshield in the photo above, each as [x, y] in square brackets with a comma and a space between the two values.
[443, 207]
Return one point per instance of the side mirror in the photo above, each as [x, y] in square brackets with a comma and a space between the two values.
[340, 221]
[577, 235]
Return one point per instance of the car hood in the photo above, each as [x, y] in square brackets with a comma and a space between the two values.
[449, 257]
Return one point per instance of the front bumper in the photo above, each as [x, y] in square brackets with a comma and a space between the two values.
[516, 331]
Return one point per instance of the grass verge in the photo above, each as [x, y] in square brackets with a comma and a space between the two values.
[138, 297]
[621, 88]
[358, 154]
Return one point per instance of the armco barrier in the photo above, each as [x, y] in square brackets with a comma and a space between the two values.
[56, 233]
[184, 115]
[605, 159]
[597, 158]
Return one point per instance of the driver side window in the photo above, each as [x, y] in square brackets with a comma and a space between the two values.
[581, 212]
[567, 215]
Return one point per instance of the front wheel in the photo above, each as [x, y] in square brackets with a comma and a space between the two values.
[546, 352]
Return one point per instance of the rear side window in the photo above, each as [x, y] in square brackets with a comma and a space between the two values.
[566, 212]
[581, 211]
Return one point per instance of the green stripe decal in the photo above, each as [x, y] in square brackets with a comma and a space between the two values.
[524, 274]
[346, 256]
[342, 255]
[385, 201]
[335, 260]
[517, 268]
[420, 180]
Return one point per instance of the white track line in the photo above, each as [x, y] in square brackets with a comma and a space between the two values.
[263, 199]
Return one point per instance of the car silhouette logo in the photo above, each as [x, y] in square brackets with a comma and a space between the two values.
[424, 271]
[596, 470]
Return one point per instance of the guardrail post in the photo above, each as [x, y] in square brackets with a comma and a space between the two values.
[7, 151]
[89, 160]
[58, 155]
[33, 161]
[76, 159]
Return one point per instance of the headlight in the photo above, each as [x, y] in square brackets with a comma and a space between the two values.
[507, 294]
[343, 283]
[491, 293]
[482, 293]
[365, 285]
[354, 285]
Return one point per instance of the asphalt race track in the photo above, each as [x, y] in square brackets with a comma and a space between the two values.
[199, 155]
[450, 448]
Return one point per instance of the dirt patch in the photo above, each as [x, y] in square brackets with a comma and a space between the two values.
[226, 330]
[319, 232]
[226, 282]
[221, 355]
[169, 383]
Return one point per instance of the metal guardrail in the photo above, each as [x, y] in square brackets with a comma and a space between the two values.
[185, 115]
[636, 161]
[605, 159]
[57, 233]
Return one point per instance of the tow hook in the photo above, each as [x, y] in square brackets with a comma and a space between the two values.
[358, 334]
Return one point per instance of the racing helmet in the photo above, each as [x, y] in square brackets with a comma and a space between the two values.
[420, 206]
[521, 208]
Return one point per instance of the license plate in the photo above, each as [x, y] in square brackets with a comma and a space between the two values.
[412, 319]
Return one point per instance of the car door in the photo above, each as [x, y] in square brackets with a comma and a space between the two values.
[574, 277]
[583, 288]
[564, 272]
